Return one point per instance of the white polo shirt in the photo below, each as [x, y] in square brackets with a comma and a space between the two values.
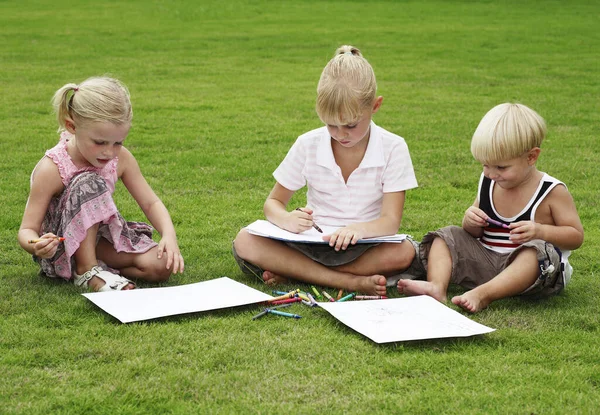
[386, 167]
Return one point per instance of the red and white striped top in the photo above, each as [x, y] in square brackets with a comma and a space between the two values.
[386, 167]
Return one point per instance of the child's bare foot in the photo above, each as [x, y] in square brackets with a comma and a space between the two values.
[270, 278]
[372, 285]
[412, 287]
[471, 301]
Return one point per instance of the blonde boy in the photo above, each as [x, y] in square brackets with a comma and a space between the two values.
[517, 236]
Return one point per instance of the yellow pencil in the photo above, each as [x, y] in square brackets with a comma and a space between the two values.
[305, 298]
[35, 241]
[291, 294]
[326, 294]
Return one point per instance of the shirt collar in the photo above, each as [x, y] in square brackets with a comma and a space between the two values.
[373, 157]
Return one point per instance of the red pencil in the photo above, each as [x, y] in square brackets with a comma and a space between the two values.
[289, 300]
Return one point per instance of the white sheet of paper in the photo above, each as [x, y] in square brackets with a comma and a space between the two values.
[268, 230]
[149, 303]
[402, 319]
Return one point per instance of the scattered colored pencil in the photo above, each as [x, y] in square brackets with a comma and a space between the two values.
[286, 301]
[330, 298]
[370, 297]
[348, 297]
[284, 296]
[303, 296]
[317, 294]
[281, 313]
[264, 312]
[259, 315]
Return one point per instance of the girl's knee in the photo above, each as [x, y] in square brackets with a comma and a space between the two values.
[242, 244]
[152, 268]
[406, 255]
[158, 271]
[398, 256]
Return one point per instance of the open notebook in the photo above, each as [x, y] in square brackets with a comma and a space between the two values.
[268, 230]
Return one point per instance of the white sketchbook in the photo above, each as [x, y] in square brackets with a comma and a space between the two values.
[268, 230]
[403, 319]
[148, 303]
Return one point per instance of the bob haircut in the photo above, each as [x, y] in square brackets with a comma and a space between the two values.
[507, 131]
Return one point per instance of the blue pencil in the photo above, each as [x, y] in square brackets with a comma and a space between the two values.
[281, 313]
[348, 297]
[262, 313]
[279, 292]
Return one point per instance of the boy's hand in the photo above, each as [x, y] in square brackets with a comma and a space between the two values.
[524, 231]
[343, 237]
[475, 218]
[46, 248]
[168, 245]
[299, 220]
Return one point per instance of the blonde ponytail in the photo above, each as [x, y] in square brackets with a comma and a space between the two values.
[95, 99]
[61, 101]
[347, 50]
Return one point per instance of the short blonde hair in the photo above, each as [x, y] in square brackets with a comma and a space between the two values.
[507, 131]
[95, 99]
[346, 88]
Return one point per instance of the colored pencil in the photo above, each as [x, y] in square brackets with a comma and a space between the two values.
[35, 241]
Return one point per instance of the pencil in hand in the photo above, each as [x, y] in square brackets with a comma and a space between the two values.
[314, 224]
[35, 241]
[497, 223]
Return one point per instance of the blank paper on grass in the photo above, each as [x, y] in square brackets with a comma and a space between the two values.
[402, 319]
[268, 230]
[148, 303]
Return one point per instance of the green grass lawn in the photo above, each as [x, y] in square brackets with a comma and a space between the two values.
[220, 90]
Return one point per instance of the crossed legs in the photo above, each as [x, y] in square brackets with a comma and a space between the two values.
[365, 274]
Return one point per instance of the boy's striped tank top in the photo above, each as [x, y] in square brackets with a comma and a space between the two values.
[495, 237]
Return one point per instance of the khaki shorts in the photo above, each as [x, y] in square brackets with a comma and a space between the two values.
[321, 253]
[473, 264]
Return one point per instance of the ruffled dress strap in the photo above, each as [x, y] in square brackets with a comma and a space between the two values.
[67, 169]
[60, 157]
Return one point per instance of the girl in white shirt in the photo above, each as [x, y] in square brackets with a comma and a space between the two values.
[357, 174]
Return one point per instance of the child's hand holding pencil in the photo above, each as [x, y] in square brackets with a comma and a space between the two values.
[46, 245]
[309, 212]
